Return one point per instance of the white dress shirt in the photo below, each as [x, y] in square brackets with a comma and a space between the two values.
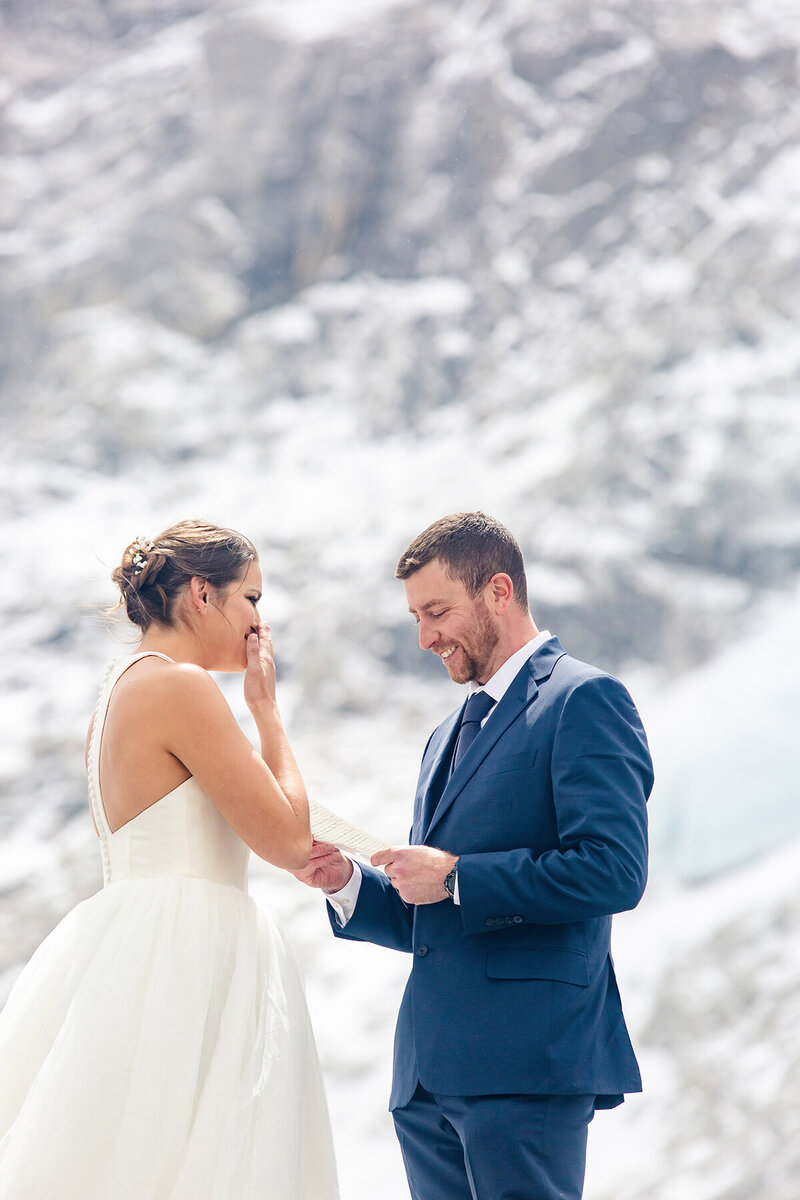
[344, 901]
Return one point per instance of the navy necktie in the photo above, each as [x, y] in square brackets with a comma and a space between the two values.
[477, 708]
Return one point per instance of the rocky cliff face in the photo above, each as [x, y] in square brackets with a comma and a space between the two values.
[327, 272]
[570, 230]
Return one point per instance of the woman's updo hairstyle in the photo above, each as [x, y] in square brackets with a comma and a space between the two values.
[153, 573]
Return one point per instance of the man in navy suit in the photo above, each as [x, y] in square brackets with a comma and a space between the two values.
[529, 832]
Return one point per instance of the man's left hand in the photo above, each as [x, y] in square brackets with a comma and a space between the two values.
[417, 872]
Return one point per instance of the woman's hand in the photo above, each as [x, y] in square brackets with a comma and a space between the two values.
[259, 679]
[327, 868]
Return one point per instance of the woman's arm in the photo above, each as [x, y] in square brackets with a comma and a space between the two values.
[262, 796]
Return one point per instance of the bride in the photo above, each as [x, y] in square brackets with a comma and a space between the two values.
[157, 1046]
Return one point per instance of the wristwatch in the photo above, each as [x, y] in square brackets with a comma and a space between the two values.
[450, 882]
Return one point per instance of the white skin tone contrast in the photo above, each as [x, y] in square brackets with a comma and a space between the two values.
[473, 636]
[169, 721]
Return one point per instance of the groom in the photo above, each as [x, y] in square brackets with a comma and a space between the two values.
[529, 831]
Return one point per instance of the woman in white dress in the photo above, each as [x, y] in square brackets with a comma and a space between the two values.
[157, 1046]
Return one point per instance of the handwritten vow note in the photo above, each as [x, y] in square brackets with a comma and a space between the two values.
[328, 826]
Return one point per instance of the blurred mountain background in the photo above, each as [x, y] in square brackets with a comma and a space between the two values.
[327, 271]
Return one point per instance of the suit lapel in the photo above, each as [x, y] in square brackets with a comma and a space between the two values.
[434, 776]
[521, 692]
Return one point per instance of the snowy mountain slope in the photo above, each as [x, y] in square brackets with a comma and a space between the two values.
[327, 272]
[335, 311]
[711, 975]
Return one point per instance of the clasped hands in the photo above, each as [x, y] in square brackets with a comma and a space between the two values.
[416, 872]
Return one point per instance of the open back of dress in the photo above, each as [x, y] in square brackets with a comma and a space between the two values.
[157, 1046]
[183, 833]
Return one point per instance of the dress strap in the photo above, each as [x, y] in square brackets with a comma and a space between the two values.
[116, 668]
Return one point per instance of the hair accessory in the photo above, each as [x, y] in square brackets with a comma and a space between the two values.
[139, 551]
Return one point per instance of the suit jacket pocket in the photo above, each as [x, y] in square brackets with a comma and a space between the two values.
[526, 962]
[503, 764]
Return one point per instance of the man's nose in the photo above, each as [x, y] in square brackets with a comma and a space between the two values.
[427, 635]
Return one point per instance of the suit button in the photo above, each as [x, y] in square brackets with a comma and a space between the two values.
[421, 951]
[518, 920]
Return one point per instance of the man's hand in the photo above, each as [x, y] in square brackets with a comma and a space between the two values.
[327, 868]
[417, 872]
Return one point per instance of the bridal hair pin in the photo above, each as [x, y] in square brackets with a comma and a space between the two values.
[139, 551]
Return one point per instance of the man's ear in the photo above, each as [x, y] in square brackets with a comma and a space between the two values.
[499, 592]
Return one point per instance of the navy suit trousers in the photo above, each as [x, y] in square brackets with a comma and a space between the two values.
[494, 1147]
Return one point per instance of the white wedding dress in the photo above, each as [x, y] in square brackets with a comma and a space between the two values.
[157, 1046]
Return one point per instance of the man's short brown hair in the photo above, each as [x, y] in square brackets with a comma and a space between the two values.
[473, 548]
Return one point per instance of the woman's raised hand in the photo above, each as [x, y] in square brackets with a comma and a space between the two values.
[259, 678]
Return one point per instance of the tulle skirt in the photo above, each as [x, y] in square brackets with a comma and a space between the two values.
[157, 1047]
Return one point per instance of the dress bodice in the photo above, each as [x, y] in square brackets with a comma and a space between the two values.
[183, 833]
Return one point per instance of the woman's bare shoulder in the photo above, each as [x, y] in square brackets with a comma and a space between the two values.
[179, 693]
[155, 691]
[164, 674]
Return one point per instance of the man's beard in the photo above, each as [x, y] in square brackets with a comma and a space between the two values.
[484, 637]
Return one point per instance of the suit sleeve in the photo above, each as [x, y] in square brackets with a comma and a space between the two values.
[379, 916]
[601, 775]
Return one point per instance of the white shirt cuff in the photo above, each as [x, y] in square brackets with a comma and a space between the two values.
[344, 901]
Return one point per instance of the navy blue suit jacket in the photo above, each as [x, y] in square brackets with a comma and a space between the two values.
[513, 990]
